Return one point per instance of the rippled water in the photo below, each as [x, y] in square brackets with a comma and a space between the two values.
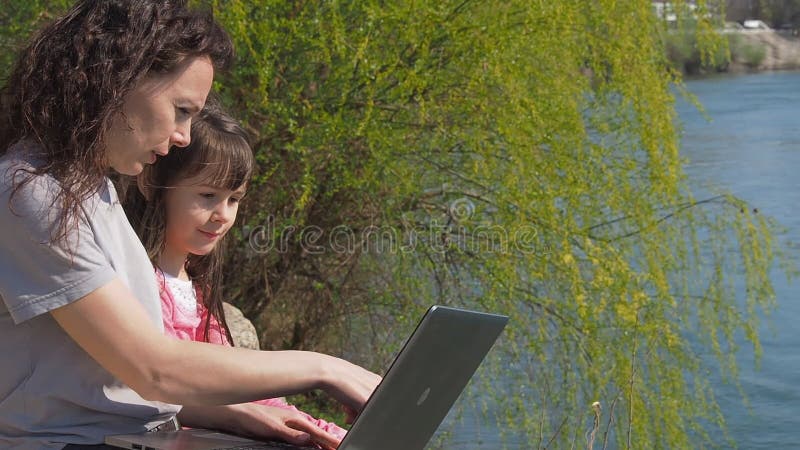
[751, 147]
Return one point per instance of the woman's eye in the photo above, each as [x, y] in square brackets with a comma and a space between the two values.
[183, 112]
[207, 194]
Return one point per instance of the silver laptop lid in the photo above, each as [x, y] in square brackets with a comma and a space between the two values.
[425, 379]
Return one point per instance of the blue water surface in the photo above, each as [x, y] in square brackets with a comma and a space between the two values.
[749, 144]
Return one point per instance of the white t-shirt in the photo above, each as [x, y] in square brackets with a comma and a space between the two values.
[184, 294]
[51, 391]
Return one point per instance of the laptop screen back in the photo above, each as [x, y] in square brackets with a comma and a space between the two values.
[425, 380]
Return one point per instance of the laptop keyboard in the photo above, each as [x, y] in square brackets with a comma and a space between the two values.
[270, 446]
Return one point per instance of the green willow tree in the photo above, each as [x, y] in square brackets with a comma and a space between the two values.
[519, 157]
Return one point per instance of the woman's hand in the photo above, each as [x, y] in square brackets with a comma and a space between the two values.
[348, 383]
[259, 422]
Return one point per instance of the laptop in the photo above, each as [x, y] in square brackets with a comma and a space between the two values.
[406, 408]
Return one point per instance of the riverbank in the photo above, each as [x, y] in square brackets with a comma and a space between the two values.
[781, 51]
[748, 51]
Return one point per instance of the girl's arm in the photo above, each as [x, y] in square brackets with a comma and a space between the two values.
[111, 325]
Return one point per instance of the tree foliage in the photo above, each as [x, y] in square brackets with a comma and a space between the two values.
[18, 19]
[518, 156]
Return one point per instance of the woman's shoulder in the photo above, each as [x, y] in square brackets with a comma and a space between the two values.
[23, 188]
[22, 191]
[19, 163]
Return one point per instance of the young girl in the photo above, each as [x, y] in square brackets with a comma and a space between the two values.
[183, 208]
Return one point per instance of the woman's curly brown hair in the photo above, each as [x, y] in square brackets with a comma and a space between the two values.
[70, 81]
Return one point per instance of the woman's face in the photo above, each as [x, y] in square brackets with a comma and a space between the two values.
[158, 114]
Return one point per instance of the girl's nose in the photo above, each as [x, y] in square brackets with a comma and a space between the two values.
[223, 213]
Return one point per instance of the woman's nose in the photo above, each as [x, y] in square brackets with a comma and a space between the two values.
[181, 137]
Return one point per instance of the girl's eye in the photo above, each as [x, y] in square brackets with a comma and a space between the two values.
[207, 194]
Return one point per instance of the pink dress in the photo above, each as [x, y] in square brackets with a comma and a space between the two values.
[188, 325]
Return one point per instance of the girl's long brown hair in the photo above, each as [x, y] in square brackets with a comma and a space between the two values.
[72, 78]
[221, 156]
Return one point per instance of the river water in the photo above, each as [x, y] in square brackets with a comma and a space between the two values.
[747, 143]
[751, 147]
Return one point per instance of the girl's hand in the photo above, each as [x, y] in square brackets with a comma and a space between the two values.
[261, 422]
[268, 422]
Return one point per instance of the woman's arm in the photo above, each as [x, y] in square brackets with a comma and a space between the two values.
[111, 325]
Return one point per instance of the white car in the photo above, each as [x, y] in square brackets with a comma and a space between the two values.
[754, 24]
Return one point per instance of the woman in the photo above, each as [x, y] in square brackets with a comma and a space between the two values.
[112, 85]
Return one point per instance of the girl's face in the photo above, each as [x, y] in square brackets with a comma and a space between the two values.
[198, 215]
[157, 114]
